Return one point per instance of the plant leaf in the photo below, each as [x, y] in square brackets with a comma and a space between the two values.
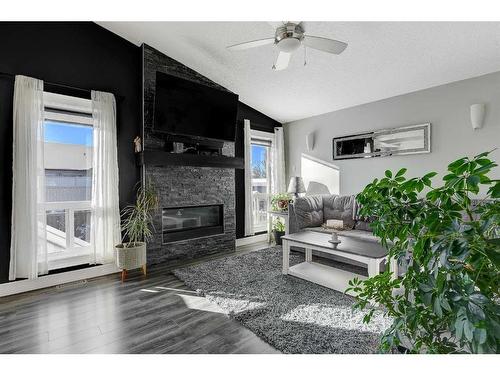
[480, 335]
[456, 164]
[478, 299]
[468, 330]
[473, 180]
[445, 304]
[437, 307]
[430, 175]
[459, 327]
[425, 288]
[401, 172]
[476, 310]
[494, 191]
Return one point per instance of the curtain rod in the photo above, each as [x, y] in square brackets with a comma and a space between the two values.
[87, 91]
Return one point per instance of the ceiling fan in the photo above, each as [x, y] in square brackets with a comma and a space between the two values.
[288, 38]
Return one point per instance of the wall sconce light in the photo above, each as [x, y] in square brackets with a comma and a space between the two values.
[477, 112]
[310, 141]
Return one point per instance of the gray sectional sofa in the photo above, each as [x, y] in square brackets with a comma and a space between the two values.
[309, 213]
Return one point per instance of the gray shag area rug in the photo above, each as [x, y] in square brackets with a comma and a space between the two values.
[291, 314]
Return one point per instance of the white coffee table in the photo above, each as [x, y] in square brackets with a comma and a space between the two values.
[370, 253]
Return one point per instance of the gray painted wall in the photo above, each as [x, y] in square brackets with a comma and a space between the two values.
[447, 107]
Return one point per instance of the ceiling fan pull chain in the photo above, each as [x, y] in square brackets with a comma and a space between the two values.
[305, 56]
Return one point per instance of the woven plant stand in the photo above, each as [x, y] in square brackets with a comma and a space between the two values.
[130, 257]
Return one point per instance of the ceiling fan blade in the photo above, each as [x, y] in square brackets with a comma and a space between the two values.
[325, 44]
[282, 61]
[252, 44]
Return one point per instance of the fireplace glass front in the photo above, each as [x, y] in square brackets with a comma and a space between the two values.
[182, 223]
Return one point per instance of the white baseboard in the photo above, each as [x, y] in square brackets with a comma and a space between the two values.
[21, 286]
[251, 239]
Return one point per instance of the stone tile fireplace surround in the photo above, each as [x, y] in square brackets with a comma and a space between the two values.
[181, 186]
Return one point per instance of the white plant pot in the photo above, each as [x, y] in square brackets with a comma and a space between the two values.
[130, 257]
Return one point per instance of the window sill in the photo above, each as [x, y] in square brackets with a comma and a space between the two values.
[21, 286]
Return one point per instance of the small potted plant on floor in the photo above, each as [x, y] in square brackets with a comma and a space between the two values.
[278, 230]
[137, 226]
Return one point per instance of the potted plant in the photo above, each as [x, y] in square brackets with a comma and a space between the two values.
[280, 202]
[278, 230]
[137, 225]
[447, 301]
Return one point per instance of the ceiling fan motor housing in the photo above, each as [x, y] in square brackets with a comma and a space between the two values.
[289, 37]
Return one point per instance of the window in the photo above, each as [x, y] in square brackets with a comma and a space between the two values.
[261, 179]
[68, 149]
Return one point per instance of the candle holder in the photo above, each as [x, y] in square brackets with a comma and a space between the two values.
[334, 240]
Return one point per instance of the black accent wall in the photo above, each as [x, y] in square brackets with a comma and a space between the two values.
[87, 56]
[77, 54]
[258, 121]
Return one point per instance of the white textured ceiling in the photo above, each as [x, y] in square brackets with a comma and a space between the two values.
[383, 59]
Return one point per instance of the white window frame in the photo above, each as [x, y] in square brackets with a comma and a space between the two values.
[265, 136]
[266, 139]
[67, 103]
[69, 109]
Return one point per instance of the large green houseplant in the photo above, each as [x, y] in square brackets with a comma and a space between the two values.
[447, 301]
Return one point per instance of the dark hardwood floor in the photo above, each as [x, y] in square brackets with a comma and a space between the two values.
[153, 314]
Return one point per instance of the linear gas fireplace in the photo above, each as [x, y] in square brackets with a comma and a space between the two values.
[182, 223]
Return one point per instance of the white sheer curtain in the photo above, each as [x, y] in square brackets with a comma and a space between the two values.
[278, 183]
[248, 180]
[105, 201]
[28, 249]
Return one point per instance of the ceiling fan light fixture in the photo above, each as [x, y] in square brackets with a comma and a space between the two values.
[288, 45]
[288, 37]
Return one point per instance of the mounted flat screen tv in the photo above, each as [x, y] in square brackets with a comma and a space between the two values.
[186, 108]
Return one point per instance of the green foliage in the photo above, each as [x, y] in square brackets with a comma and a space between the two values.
[278, 225]
[447, 301]
[280, 202]
[137, 220]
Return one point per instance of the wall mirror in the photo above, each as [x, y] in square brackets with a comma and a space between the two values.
[406, 140]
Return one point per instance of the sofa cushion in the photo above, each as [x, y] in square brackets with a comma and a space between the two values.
[363, 225]
[339, 207]
[309, 211]
[318, 229]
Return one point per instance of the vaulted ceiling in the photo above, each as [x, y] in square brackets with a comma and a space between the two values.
[383, 59]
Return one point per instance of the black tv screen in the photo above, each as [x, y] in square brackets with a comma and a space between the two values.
[187, 108]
